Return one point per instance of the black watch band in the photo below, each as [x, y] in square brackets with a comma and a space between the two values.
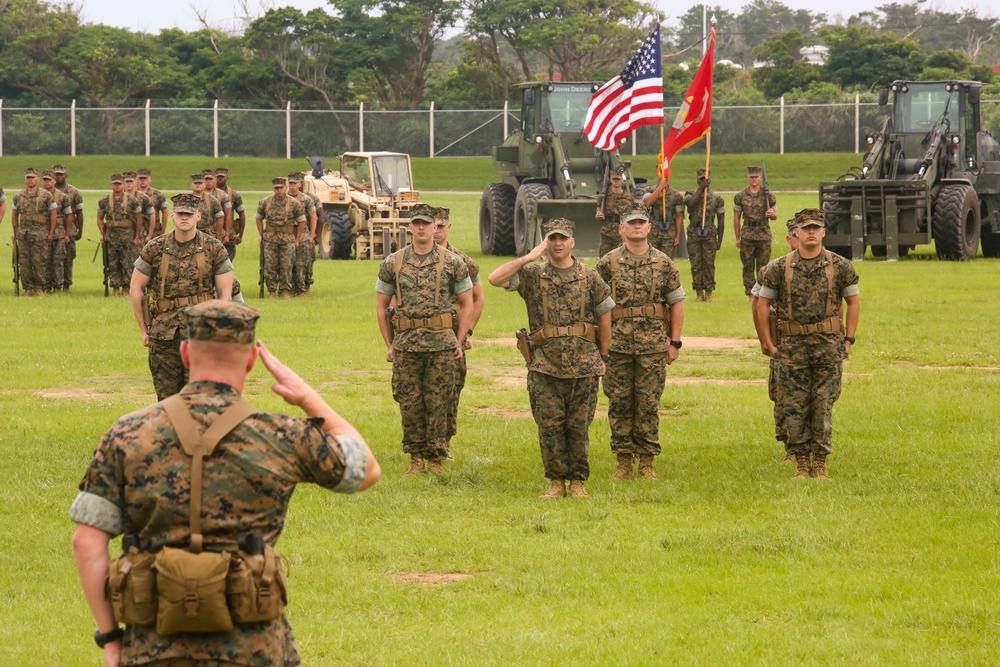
[849, 339]
[470, 333]
[104, 638]
[605, 358]
[677, 344]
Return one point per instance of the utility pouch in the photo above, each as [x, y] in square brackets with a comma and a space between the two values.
[256, 587]
[702, 232]
[131, 588]
[773, 326]
[147, 313]
[191, 591]
[391, 312]
[524, 345]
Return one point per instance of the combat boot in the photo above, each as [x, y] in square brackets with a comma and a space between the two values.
[819, 466]
[272, 295]
[789, 458]
[114, 291]
[708, 296]
[624, 468]
[701, 295]
[576, 489]
[646, 466]
[434, 466]
[416, 465]
[556, 490]
[802, 466]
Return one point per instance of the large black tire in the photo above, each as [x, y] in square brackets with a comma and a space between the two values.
[335, 239]
[496, 219]
[525, 214]
[956, 222]
[837, 221]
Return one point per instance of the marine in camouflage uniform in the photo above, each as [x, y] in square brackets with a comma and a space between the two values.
[646, 325]
[422, 345]
[76, 202]
[617, 200]
[34, 214]
[213, 218]
[812, 343]
[172, 286]
[286, 220]
[305, 253]
[118, 218]
[148, 212]
[569, 316]
[139, 483]
[60, 237]
[238, 218]
[158, 201]
[665, 234]
[753, 238]
[224, 201]
[704, 240]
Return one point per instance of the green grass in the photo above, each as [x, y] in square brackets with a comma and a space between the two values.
[723, 560]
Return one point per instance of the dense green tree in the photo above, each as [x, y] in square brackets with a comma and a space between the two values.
[786, 70]
[859, 58]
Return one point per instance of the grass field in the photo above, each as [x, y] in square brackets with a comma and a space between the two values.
[723, 560]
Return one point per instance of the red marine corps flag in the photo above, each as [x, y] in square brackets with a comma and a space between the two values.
[694, 120]
[630, 100]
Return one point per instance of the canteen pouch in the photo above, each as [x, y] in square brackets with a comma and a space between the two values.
[702, 232]
[256, 587]
[131, 588]
[191, 591]
[524, 345]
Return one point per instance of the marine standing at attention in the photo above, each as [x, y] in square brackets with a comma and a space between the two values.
[754, 237]
[704, 238]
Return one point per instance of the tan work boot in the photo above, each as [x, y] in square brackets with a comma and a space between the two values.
[802, 466]
[646, 466]
[114, 291]
[556, 490]
[789, 458]
[416, 465]
[819, 466]
[701, 295]
[708, 296]
[434, 466]
[576, 489]
[272, 295]
[624, 468]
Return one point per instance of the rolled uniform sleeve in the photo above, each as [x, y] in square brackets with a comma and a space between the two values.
[604, 306]
[144, 267]
[97, 512]
[386, 281]
[355, 464]
[850, 290]
[675, 296]
[100, 502]
[463, 285]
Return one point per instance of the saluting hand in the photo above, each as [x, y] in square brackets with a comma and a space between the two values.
[536, 252]
[288, 384]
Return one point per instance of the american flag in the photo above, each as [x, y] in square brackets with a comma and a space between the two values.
[630, 100]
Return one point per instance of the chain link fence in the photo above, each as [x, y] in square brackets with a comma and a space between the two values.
[158, 128]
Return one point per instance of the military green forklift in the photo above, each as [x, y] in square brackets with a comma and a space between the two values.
[930, 173]
[548, 169]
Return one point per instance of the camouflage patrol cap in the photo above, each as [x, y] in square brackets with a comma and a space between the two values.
[423, 213]
[443, 213]
[278, 181]
[639, 212]
[48, 173]
[618, 172]
[809, 217]
[221, 171]
[185, 202]
[198, 178]
[753, 170]
[116, 178]
[701, 173]
[220, 321]
[31, 171]
[208, 173]
[129, 175]
[143, 172]
[59, 169]
[562, 226]
[295, 177]
[791, 224]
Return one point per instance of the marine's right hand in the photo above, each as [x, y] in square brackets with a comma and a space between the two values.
[113, 654]
[288, 384]
[537, 251]
[145, 339]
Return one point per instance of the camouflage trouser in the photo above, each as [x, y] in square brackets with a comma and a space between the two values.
[663, 239]
[33, 250]
[121, 256]
[755, 254]
[423, 384]
[774, 393]
[807, 394]
[633, 384]
[57, 263]
[166, 367]
[563, 408]
[302, 271]
[279, 256]
[609, 243]
[461, 370]
[231, 249]
[701, 252]
[68, 260]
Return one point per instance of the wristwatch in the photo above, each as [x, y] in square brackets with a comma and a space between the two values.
[605, 358]
[470, 333]
[104, 638]
[677, 344]
[849, 339]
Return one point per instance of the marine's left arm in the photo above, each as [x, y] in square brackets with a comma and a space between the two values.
[853, 313]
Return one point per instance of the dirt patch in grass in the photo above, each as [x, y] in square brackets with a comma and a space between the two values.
[690, 342]
[506, 413]
[700, 380]
[429, 578]
[100, 388]
[958, 367]
[78, 394]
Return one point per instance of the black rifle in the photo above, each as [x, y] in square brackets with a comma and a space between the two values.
[763, 182]
[604, 186]
[15, 263]
[261, 281]
[107, 265]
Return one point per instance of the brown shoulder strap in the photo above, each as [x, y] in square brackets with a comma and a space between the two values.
[198, 445]
[790, 259]
[440, 269]
[199, 259]
[164, 267]
[544, 283]
[398, 264]
[657, 263]
[616, 256]
[583, 297]
[832, 299]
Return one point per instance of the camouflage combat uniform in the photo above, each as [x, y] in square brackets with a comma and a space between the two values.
[703, 242]
[636, 373]
[148, 211]
[139, 482]
[34, 210]
[236, 199]
[119, 232]
[76, 202]
[615, 204]
[810, 364]
[461, 366]
[211, 211]
[56, 276]
[305, 254]
[423, 366]
[755, 233]
[283, 216]
[774, 379]
[158, 202]
[166, 329]
[661, 236]
[564, 373]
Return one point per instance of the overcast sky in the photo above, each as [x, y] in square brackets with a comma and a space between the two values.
[153, 16]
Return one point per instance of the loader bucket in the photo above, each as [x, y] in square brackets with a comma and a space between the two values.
[581, 212]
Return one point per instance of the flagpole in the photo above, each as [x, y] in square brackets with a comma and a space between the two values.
[708, 158]
[663, 174]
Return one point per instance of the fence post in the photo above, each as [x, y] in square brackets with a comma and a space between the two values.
[633, 143]
[781, 127]
[505, 111]
[361, 127]
[147, 129]
[857, 123]
[1, 128]
[432, 128]
[288, 131]
[72, 129]
[215, 129]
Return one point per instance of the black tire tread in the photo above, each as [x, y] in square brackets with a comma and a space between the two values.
[527, 197]
[496, 209]
[341, 233]
[949, 221]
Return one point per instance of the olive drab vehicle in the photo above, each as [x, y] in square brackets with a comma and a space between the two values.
[547, 169]
[931, 173]
[366, 204]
